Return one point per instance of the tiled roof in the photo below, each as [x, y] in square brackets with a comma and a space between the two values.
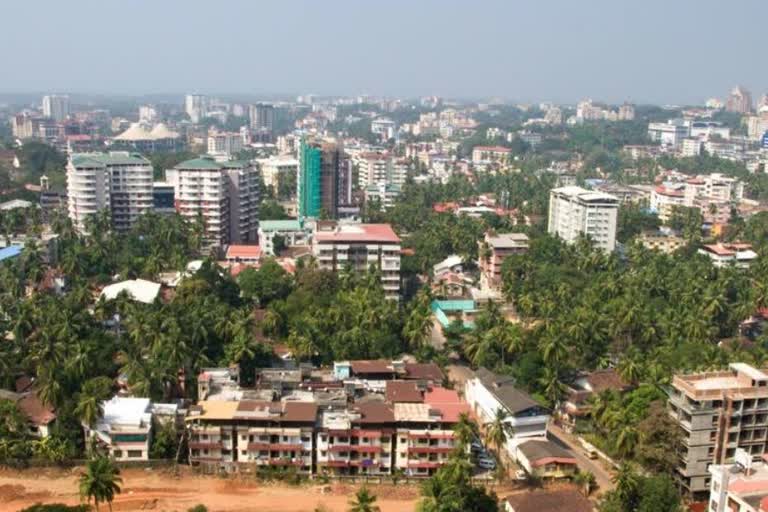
[403, 391]
[549, 501]
[359, 233]
[539, 451]
[375, 412]
[372, 366]
[243, 251]
[606, 379]
[424, 371]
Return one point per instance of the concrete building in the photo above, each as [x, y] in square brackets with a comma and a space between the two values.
[148, 114]
[56, 107]
[739, 100]
[225, 194]
[665, 198]
[293, 232]
[487, 392]
[739, 255]
[321, 182]
[494, 249]
[277, 168]
[718, 412]
[262, 116]
[124, 428]
[670, 134]
[224, 144]
[196, 107]
[626, 112]
[118, 181]
[357, 247]
[485, 154]
[576, 212]
[384, 128]
[739, 487]
[383, 193]
[163, 198]
[660, 241]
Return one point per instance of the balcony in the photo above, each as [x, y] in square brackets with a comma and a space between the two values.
[205, 445]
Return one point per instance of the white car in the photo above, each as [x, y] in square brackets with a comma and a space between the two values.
[486, 463]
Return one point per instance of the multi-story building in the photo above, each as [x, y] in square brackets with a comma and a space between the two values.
[224, 144]
[357, 247]
[383, 127]
[424, 438]
[665, 198]
[575, 212]
[714, 186]
[660, 241]
[739, 487]
[494, 249]
[262, 116]
[320, 182]
[669, 134]
[739, 101]
[124, 428]
[626, 112]
[56, 107]
[277, 168]
[148, 114]
[293, 232]
[739, 255]
[248, 434]
[718, 413]
[196, 107]
[357, 440]
[118, 181]
[499, 154]
[385, 194]
[376, 168]
[224, 194]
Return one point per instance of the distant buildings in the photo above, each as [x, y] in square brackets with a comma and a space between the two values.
[704, 192]
[357, 247]
[662, 242]
[293, 232]
[276, 168]
[196, 107]
[224, 144]
[375, 168]
[718, 412]
[262, 117]
[739, 255]
[225, 195]
[576, 212]
[670, 134]
[739, 100]
[323, 180]
[494, 249]
[496, 154]
[56, 107]
[118, 181]
[138, 137]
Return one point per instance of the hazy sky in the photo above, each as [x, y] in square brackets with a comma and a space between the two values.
[664, 51]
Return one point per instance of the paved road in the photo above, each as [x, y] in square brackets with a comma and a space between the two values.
[598, 467]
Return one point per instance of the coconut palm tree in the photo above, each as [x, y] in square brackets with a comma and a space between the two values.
[100, 482]
[496, 435]
[364, 501]
[466, 431]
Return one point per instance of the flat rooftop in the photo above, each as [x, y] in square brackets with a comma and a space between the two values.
[359, 233]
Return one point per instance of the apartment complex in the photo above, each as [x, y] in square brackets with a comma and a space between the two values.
[224, 144]
[670, 134]
[357, 247]
[498, 154]
[718, 412]
[118, 181]
[739, 487]
[196, 107]
[575, 212]
[224, 194]
[262, 116]
[124, 428]
[293, 232]
[56, 107]
[494, 249]
[369, 421]
[320, 183]
[739, 100]
[277, 168]
[377, 168]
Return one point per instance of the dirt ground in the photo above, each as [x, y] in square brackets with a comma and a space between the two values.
[162, 491]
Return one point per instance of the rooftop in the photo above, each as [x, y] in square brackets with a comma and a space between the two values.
[132, 412]
[373, 233]
[105, 159]
[243, 251]
[585, 195]
[543, 452]
[566, 500]
[14, 204]
[11, 251]
[507, 240]
[138, 289]
[403, 391]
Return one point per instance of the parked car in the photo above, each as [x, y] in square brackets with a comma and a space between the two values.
[486, 462]
[477, 447]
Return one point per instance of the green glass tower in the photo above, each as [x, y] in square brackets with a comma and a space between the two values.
[310, 180]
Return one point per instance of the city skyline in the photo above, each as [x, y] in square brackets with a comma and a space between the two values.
[605, 51]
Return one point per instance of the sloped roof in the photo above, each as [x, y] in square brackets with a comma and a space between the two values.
[403, 391]
[423, 371]
[539, 452]
[566, 500]
[161, 131]
[507, 394]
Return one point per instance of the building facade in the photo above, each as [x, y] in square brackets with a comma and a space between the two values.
[576, 212]
[118, 181]
[320, 182]
[494, 249]
[56, 107]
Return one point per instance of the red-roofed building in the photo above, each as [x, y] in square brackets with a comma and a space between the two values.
[358, 247]
[243, 254]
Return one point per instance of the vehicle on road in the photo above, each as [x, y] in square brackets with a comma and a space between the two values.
[589, 450]
[486, 462]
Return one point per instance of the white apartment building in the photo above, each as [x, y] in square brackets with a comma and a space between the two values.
[224, 144]
[119, 181]
[383, 127]
[385, 194]
[375, 168]
[575, 212]
[148, 114]
[293, 232]
[358, 246]
[225, 194]
[56, 107]
[275, 166]
[665, 198]
[196, 107]
[670, 134]
[124, 428]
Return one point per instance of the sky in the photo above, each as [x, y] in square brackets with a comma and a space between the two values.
[644, 51]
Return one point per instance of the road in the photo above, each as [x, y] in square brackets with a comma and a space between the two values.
[596, 466]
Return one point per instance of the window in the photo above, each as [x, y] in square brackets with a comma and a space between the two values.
[117, 453]
[134, 454]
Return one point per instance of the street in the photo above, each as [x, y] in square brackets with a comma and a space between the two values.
[596, 466]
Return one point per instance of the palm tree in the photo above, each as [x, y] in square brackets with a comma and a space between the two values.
[100, 482]
[627, 440]
[466, 431]
[364, 501]
[626, 483]
[496, 435]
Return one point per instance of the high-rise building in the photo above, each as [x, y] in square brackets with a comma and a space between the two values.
[196, 107]
[262, 121]
[321, 178]
[357, 247]
[56, 107]
[148, 114]
[118, 181]
[718, 413]
[576, 212]
[224, 143]
[740, 100]
[626, 112]
[380, 168]
[494, 249]
[225, 194]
